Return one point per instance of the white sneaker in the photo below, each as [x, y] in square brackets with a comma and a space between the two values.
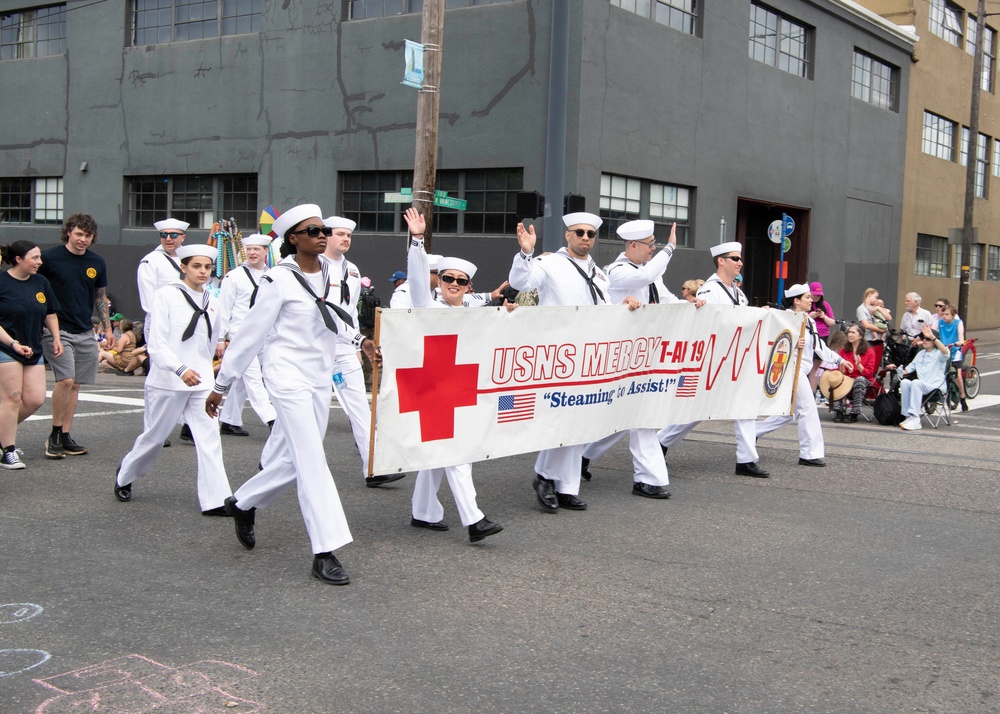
[11, 460]
[911, 424]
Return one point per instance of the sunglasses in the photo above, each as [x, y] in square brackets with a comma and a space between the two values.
[314, 231]
[172, 236]
[734, 258]
[939, 305]
[580, 233]
[452, 279]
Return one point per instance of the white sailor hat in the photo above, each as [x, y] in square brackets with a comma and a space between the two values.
[189, 251]
[257, 239]
[433, 259]
[171, 224]
[340, 222]
[724, 248]
[293, 216]
[635, 230]
[463, 266]
[589, 219]
[792, 292]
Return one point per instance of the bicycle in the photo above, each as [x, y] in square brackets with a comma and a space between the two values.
[970, 374]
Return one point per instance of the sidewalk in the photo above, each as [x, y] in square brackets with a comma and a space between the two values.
[986, 338]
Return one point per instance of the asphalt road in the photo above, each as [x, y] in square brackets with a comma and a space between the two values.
[868, 586]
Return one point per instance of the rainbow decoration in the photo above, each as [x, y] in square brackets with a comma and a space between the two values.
[267, 218]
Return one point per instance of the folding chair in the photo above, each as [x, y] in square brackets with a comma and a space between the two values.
[934, 407]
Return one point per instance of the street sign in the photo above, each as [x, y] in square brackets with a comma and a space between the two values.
[456, 203]
[441, 199]
[786, 245]
[774, 231]
[789, 225]
[398, 198]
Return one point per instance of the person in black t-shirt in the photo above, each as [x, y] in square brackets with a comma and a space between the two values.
[26, 303]
[80, 277]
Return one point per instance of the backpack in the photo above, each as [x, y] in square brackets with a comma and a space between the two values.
[368, 301]
[887, 410]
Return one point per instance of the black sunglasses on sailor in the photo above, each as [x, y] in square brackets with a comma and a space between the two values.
[452, 279]
[172, 236]
[580, 233]
[314, 231]
[734, 258]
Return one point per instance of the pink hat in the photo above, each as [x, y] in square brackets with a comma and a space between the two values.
[366, 282]
[816, 288]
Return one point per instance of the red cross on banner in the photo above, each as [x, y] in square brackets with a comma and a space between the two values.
[437, 388]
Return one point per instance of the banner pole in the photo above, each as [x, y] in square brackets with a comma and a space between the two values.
[371, 431]
[798, 362]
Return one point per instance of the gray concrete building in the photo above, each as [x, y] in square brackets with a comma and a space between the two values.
[726, 110]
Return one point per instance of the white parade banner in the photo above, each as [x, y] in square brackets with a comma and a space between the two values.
[462, 385]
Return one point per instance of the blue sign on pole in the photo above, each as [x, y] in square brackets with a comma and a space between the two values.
[789, 224]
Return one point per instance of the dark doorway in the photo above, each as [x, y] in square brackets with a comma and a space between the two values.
[760, 279]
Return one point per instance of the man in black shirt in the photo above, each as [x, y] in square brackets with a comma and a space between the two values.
[79, 277]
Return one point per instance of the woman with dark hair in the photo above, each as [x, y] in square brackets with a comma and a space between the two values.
[295, 330]
[860, 358]
[27, 303]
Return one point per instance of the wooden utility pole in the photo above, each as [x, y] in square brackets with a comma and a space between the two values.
[971, 165]
[428, 108]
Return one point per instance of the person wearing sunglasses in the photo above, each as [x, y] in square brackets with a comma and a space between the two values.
[345, 287]
[158, 268]
[567, 277]
[638, 273]
[455, 275]
[296, 326]
[720, 289]
[939, 305]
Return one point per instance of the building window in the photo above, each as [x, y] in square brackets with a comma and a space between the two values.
[31, 200]
[490, 196]
[679, 14]
[993, 266]
[982, 165]
[939, 136]
[946, 21]
[199, 200]
[874, 81]
[975, 263]
[996, 158]
[989, 50]
[779, 41]
[39, 32]
[158, 21]
[363, 9]
[963, 151]
[627, 199]
[932, 256]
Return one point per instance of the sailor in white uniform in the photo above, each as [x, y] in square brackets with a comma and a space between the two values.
[638, 274]
[720, 289]
[238, 288]
[185, 327]
[811, 446]
[295, 328]
[427, 511]
[345, 287]
[401, 296]
[566, 277]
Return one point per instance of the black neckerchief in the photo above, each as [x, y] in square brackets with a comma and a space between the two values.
[198, 312]
[173, 263]
[321, 302]
[595, 291]
[250, 275]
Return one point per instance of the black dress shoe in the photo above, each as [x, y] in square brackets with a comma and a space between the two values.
[545, 491]
[649, 491]
[568, 500]
[244, 523]
[483, 529]
[584, 471]
[122, 493]
[376, 481]
[186, 435]
[232, 429]
[217, 511]
[812, 462]
[328, 569]
[751, 469]
[439, 526]
[664, 449]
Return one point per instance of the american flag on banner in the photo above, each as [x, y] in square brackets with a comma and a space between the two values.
[515, 407]
[688, 386]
